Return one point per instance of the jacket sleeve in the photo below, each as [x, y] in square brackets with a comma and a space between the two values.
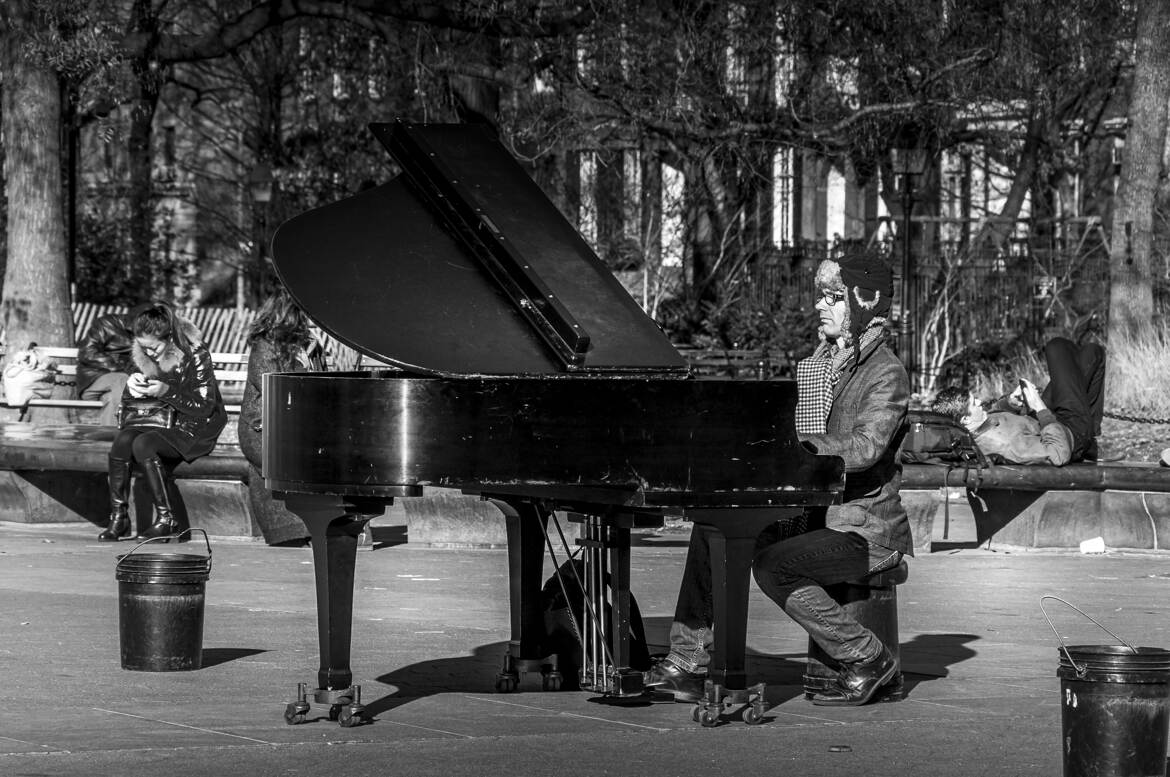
[197, 393]
[880, 415]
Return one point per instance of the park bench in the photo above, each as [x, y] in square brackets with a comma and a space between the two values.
[735, 363]
[231, 371]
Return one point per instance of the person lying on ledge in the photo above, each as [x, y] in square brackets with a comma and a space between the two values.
[1055, 427]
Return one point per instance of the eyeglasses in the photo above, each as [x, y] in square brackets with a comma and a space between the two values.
[832, 297]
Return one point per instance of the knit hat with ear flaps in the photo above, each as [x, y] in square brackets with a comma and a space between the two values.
[869, 287]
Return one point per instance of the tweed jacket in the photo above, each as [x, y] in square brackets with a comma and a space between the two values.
[866, 425]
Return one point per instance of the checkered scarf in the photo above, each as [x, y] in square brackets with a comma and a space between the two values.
[817, 378]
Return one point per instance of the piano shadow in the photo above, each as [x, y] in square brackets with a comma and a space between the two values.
[475, 673]
[925, 658]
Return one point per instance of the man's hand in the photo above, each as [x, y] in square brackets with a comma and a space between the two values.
[1031, 396]
[1016, 398]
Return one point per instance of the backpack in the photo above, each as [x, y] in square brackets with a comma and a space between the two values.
[563, 620]
[935, 438]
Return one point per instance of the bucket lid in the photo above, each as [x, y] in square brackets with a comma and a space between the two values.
[164, 563]
[1114, 663]
[173, 568]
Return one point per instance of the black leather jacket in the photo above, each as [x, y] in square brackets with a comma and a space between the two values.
[191, 390]
[105, 348]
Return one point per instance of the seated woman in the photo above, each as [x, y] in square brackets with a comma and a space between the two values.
[174, 367]
[282, 339]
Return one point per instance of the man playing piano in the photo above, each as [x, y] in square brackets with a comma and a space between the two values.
[853, 394]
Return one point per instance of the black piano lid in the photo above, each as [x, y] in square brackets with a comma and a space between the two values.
[461, 267]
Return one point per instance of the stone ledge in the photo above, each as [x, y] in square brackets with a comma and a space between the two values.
[1046, 519]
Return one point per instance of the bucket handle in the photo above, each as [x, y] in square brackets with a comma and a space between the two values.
[169, 537]
[1080, 670]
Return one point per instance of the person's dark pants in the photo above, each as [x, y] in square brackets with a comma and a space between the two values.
[138, 444]
[793, 573]
[1076, 390]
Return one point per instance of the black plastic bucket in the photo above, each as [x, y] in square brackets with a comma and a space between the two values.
[1115, 709]
[160, 608]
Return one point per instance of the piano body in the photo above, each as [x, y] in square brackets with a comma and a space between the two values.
[523, 372]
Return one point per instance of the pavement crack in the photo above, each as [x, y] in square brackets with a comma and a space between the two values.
[184, 725]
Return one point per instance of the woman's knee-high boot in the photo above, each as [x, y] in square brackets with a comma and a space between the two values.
[164, 519]
[119, 525]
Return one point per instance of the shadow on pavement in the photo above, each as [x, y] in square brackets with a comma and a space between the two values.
[930, 655]
[659, 540]
[464, 674]
[216, 656]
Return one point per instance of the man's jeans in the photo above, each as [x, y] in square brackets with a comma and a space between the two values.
[108, 388]
[793, 573]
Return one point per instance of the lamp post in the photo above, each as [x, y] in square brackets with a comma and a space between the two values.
[907, 162]
[260, 186]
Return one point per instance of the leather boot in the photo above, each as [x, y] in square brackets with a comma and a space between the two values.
[164, 519]
[119, 525]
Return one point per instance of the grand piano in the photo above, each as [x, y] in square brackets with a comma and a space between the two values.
[514, 366]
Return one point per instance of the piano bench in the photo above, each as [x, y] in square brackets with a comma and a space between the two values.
[873, 602]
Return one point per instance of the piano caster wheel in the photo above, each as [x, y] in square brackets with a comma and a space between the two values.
[709, 716]
[551, 681]
[753, 714]
[350, 716]
[334, 711]
[507, 683]
[295, 712]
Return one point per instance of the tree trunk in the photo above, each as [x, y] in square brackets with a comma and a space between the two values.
[141, 194]
[1131, 298]
[36, 288]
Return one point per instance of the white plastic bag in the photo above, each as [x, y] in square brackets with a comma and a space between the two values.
[28, 376]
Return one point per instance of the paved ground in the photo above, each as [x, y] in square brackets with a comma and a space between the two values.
[428, 635]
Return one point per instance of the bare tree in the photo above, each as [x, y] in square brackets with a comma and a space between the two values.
[1131, 304]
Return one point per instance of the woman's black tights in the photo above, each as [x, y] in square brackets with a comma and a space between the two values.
[140, 444]
[155, 454]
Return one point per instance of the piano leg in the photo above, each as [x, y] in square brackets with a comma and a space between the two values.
[732, 535]
[334, 524]
[526, 522]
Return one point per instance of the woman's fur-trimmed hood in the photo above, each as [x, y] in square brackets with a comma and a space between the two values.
[171, 357]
